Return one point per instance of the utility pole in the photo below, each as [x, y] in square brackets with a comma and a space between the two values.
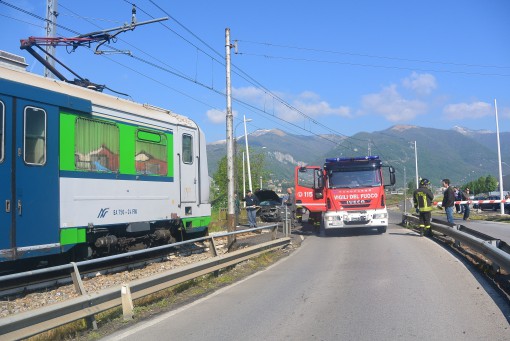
[51, 32]
[230, 145]
[501, 196]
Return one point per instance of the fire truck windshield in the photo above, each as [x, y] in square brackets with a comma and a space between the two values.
[368, 177]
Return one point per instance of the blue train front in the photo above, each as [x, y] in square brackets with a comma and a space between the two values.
[86, 174]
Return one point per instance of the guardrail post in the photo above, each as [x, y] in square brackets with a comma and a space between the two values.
[127, 302]
[78, 283]
[274, 232]
[213, 250]
[495, 243]
[80, 289]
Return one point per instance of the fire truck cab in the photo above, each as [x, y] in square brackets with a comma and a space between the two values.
[345, 193]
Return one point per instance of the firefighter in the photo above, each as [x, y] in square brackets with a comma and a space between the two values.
[423, 199]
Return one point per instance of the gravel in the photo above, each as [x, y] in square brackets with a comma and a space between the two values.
[101, 281]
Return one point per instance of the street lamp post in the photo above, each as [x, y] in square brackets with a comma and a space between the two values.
[501, 204]
[244, 181]
[247, 154]
[235, 139]
[405, 191]
[416, 165]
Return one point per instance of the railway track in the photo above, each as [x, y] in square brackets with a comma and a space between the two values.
[34, 289]
[40, 280]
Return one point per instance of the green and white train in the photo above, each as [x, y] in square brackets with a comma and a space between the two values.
[85, 174]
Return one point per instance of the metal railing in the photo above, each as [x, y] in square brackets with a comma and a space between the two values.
[34, 322]
[493, 248]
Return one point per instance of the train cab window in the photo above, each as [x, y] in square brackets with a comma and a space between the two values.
[96, 146]
[34, 143]
[187, 148]
[151, 153]
[2, 131]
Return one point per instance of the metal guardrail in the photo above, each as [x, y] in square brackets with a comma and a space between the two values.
[27, 324]
[493, 248]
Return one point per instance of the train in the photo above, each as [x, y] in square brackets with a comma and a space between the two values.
[84, 174]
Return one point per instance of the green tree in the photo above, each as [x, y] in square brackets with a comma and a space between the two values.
[483, 184]
[411, 186]
[219, 187]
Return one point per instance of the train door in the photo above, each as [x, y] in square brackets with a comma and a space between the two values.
[188, 166]
[5, 173]
[35, 198]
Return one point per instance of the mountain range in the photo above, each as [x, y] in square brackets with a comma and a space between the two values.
[459, 154]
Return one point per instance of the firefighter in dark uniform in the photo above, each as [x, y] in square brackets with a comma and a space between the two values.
[423, 199]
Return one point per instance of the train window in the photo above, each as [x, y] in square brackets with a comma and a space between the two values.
[2, 131]
[151, 153]
[34, 143]
[96, 146]
[187, 148]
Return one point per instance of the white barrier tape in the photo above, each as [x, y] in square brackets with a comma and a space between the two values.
[437, 203]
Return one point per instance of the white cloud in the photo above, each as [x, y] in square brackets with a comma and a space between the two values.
[422, 84]
[505, 112]
[307, 102]
[390, 104]
[216, 116]
[467, 110]
[251, 94]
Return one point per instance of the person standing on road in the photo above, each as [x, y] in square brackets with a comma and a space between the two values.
[458, 197]
[291, 205]
[423, 198]
[448, 200]
[467, 209]
[252, 203]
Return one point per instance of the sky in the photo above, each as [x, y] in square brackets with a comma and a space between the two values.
[322, 67]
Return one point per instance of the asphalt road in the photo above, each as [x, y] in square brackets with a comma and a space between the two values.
[355, 286]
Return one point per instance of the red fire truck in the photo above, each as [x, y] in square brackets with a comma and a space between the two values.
[346, 193]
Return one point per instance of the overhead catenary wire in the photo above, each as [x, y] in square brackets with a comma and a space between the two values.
[248, 77]
[371, 65]
[373, 56]
[23, 21]
[211, 88]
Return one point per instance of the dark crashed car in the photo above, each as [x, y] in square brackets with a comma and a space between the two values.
[270, 205]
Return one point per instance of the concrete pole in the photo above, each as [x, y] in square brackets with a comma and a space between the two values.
[51, 32]
[230, 144]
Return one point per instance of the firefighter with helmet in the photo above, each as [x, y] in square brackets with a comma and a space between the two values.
[423, 198]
